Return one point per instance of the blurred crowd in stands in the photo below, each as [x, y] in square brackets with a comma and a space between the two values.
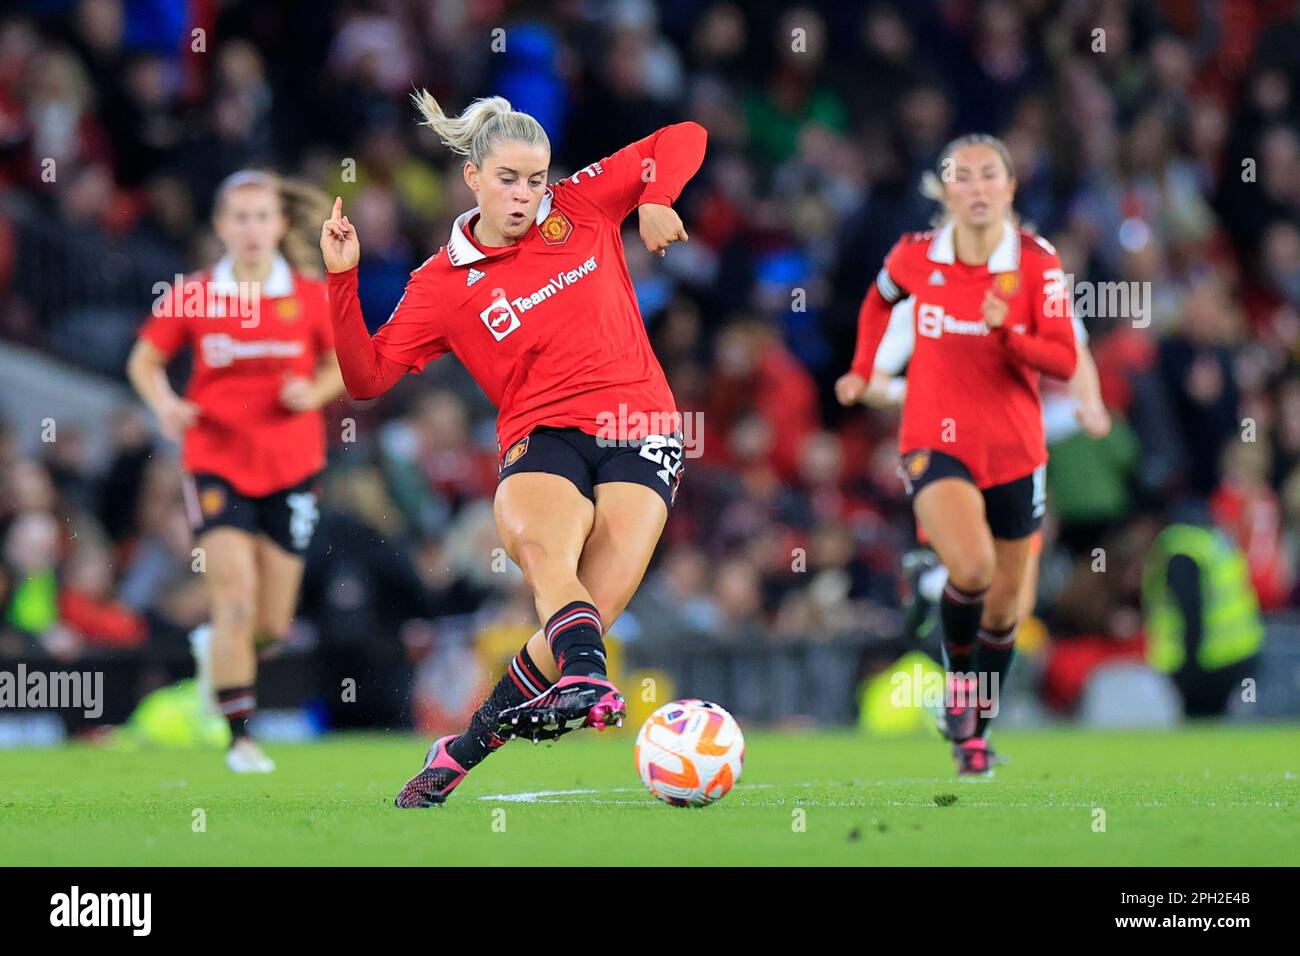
[1154, 142]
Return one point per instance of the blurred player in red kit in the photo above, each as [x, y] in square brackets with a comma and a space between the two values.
[992, 313]
[250, 424]
[532, 294]
[888, 389]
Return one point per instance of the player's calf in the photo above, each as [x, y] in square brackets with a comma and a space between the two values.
[993, 656]
[583, 696]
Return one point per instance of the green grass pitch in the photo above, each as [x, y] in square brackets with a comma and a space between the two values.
[1198, 796]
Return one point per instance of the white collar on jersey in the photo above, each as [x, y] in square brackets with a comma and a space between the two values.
[1005, 257]
[278, 283]
[461, 252]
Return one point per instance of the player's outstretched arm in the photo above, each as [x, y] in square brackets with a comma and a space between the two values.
[674, 154]
[366, 373]
[669, 159]
[649, 174]
[873, 320]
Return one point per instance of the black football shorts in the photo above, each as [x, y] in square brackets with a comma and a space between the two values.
[655, 461]
[288, 517]
[1014, 509]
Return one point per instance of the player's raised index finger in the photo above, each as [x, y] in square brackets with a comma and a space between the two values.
[338, 207]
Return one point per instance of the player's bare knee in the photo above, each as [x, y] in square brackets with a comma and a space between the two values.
[272, 631]
[234, 612]
[542, 566]
[972, 571]
[532, 558]
[999, 615]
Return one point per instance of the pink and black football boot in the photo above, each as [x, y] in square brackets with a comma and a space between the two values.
[569, 704]
[960, 709]
[431, 786]
[975, 758]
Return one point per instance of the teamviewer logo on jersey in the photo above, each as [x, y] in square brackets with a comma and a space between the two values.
[500, 318]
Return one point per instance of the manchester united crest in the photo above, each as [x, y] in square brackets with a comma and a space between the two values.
[1006, 284]
[917, 462]
[555, 228]
[287, 309]
[212, 501]
[516, 452]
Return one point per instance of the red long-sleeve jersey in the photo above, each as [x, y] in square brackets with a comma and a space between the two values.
[973, 392]
[549, 326]
[243, 351]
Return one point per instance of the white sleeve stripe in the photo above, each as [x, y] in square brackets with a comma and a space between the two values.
[1080, 331]
[888, 288]
[899, 341]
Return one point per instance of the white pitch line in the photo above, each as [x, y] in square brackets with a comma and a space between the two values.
[535, 796]
[559, 797]
[539, 796]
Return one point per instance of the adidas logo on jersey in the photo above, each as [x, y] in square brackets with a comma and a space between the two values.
[474, 276]
[936, 278]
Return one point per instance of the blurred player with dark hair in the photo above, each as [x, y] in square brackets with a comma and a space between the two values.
[250, 423]
[887, 388]
[532, 294]
[992, 312]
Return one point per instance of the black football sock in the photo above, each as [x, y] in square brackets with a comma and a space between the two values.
[237, 705]
[993, 655]
[575, 635]
[522, 681]
[960, 612]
